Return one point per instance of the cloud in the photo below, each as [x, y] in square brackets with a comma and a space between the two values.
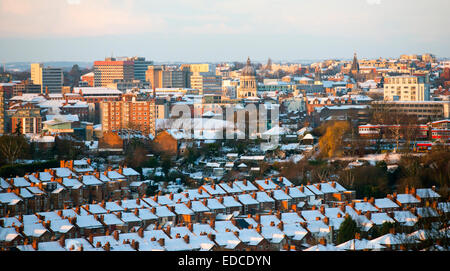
[73, 2]
[75, 18]
[373, 2]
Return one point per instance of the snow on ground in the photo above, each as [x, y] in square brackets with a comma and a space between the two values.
[389, 158]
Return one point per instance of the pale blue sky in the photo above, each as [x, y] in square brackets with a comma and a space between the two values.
[221, 30]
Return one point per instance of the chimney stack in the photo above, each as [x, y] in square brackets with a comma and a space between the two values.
[34, 244]
[135, 245]
[62, 241]
[258, 218]
[167, 231]
[281, 226]
[161, 242]
[141, 232]
[107, 247]
[323, 241]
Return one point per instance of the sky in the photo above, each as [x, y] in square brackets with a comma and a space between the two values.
[221, 30]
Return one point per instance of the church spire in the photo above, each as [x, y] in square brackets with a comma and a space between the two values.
[355, 64]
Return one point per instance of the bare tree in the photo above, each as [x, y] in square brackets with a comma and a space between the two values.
[12, 147]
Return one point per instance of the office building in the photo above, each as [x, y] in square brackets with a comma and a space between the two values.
[140, 67]
[425, 110]
[164, 77]
[203, 78]
[50, 79]
[105, 72]
[87, 80]
[207, 84]
[406, 88]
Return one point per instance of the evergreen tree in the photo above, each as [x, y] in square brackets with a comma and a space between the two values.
[347, 230]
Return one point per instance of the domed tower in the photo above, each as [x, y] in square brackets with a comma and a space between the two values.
[247, 86]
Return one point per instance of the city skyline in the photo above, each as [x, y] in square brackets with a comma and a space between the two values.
[199, 31]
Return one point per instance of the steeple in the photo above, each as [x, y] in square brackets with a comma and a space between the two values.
[248, 61]
[269, 64]
[355, 64]
[317, 76]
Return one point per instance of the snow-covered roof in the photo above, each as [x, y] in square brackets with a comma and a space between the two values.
[133, 203]
[129, 172]
[385, 203]
[91, 180]
[318, 227]
[129, 217]
[267, 220]
[247, 199]
[72, 183]
[88, 221]
[380, 218]
[113, 206]
[405, 217]
[214, 204]
[291, 218]
[266, 184]
[230, 187]
[213, 189]
[198, 206]
[112, 219]
[354, 244]
[314, 189]
[201, 243]
[294, 231]
[224, 225]
[262, 196]
[196, 194]
[311, 215]
[272, 234]
[407, 198]
[8, 234]
[365, 206]
[9, 198]
[250, 236]
[34, 229]
[20, 182]
[163, 211]
[227, 240]
[427, 193]
[199, 228]
[280, 195]
[61, 226]
[177, 244]
[333, 212]
[229, 201]
[246, 185]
